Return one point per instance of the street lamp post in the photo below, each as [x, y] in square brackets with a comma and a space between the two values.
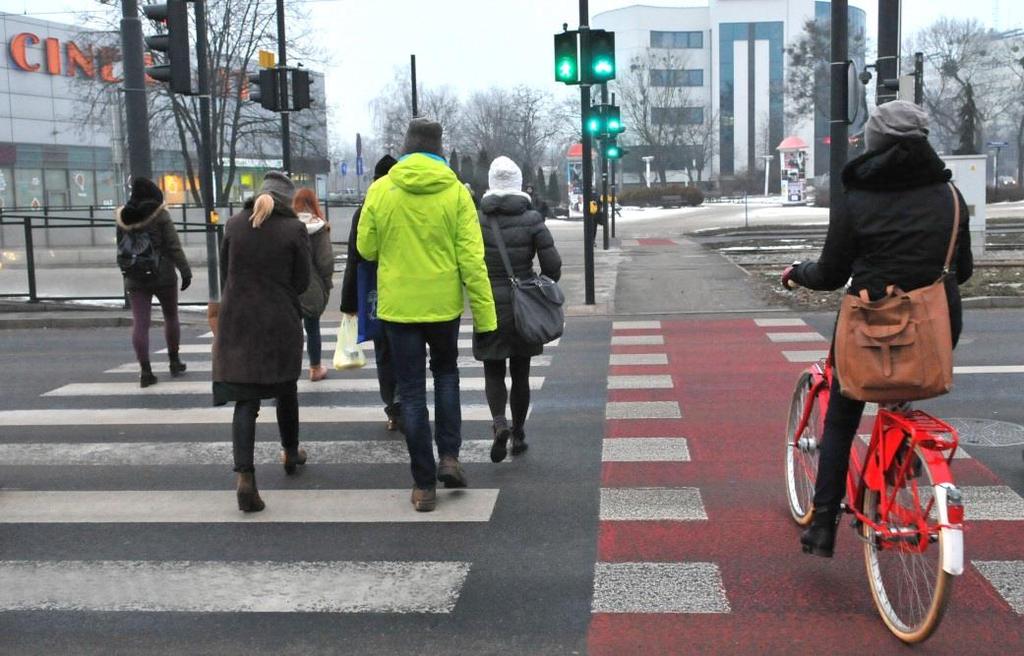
[767, 168]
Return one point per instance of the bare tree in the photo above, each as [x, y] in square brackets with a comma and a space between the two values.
[666, 117]
[1009, 59]
[237, 30]
[518, 123]
[808, 83]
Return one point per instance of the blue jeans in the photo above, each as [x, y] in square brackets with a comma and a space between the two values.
[314, 342]
[409, 342]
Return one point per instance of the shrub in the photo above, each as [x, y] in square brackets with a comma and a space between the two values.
[662, 196]
[1011, 193]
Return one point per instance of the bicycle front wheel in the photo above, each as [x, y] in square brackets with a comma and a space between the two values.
[904, 563]
[802, 450]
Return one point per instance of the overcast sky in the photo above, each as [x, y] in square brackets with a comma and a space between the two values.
[473, 44]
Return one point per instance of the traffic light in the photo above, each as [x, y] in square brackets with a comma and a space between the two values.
[600, 57]
[596, 121]
[301, 81]
[263, 89]
[173, 43]
[610, 149]
[567, 63]
[613, 120]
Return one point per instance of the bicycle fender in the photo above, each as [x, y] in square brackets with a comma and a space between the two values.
[952, 536]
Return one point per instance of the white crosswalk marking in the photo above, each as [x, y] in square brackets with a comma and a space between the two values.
[329, 386]
[465, 362]
[795, 337]
[636, 325]
[651, 503]
[215, 507]
[152, 416]
[367, 452]
[328, 347]
[805, 356]
[658, 588]
[464, 329]
[779, 323]
[640, 382]
[236, 587]
[1007, 577]
[637, 340]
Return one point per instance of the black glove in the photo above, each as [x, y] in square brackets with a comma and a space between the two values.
[185, 282]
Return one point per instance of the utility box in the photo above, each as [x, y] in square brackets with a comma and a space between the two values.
[970, 174]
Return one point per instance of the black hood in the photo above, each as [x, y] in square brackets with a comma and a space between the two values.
[908, 164]
[505, 203]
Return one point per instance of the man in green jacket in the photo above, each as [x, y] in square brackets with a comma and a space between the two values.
[419, 224]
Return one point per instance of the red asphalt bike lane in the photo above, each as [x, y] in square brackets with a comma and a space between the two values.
[733, 386]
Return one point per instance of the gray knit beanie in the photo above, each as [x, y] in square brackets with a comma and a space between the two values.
[893, 121]
[279, 186]
[423, 136]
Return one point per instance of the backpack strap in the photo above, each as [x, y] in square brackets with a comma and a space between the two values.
[496, 230]
[956, 230]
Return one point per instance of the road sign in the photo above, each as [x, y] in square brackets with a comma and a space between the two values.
[998, 144]
[267, 59]
[344, 169]
[359, 166]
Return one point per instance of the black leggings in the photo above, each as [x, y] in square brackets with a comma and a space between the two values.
[497, 394]
[243, 429]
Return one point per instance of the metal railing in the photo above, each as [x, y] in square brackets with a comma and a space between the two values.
[31, 223]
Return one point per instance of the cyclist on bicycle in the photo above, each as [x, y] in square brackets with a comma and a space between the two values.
[895, 231]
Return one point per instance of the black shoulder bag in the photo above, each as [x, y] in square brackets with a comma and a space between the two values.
[536, 301]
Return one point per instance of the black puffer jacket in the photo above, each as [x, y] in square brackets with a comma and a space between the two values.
[525, 236]
[157, 222]
[896, 228]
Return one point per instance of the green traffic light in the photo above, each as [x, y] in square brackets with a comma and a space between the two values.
[613, 152]
[567, 69]
[593, 125]
[603, 67]
[614, 125]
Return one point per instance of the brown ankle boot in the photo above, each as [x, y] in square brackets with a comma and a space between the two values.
[248, 496]
[292, 460]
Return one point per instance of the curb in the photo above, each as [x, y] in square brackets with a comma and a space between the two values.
[50, 320]
[993, 302]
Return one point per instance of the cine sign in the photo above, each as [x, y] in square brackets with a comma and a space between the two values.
[55, 58]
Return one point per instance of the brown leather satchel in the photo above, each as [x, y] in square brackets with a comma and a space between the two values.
[900, 347]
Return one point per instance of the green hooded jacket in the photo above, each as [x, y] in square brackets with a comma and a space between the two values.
[419, 224]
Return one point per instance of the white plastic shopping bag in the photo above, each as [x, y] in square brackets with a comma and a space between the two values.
[348, 355]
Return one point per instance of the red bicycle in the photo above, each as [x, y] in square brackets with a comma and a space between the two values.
[906, 509]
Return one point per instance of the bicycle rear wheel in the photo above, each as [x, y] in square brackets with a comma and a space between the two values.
[908, 584]
[802, 450]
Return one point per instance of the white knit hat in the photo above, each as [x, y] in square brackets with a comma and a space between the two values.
[504, 175]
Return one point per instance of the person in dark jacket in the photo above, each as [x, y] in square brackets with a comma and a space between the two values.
[313, 301]
[350, 305]
[257, 350]
[145, 211]
[895, 231]
[526, 236]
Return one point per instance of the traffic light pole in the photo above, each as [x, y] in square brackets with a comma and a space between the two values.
[604, 179]
[415, 93]
[838, 127]
[611, 198]
[588, 163]
[888, 64]
[137, 114]
[205, 151]
[282, 61]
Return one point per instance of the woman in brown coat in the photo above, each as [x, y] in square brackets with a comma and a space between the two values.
[257, 353]
[314, 300]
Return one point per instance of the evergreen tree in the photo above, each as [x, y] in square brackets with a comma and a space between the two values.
[540, 187]
[453, 161]
[528, 178]
[554, 193]
[483, 166]
[968, 118]
[469, 174]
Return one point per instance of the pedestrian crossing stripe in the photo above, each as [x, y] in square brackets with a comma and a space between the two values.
[779, 323]
[220, 506]
[1007, 577]
[464, 329]
[179, 387]
[652, 504]
[206, 366]
[205, 415]
[328, 347]
[232, 587]
[339, 452]
[796, 337]
[689, 587]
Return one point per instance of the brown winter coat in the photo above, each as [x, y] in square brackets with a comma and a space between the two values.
[263, 272]
[165, 239]
[313, 301]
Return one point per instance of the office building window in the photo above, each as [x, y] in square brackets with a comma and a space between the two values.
[6, 188]
[677, 78]
[677, 40]
[677, 115]
[28, 187]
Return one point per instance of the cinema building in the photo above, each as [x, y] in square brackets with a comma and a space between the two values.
[62, 141]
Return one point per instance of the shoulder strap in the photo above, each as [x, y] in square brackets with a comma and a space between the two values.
[496, 230]
[956, 229]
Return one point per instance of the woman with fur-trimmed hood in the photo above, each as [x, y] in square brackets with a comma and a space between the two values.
[146, 212]
[257, 349]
